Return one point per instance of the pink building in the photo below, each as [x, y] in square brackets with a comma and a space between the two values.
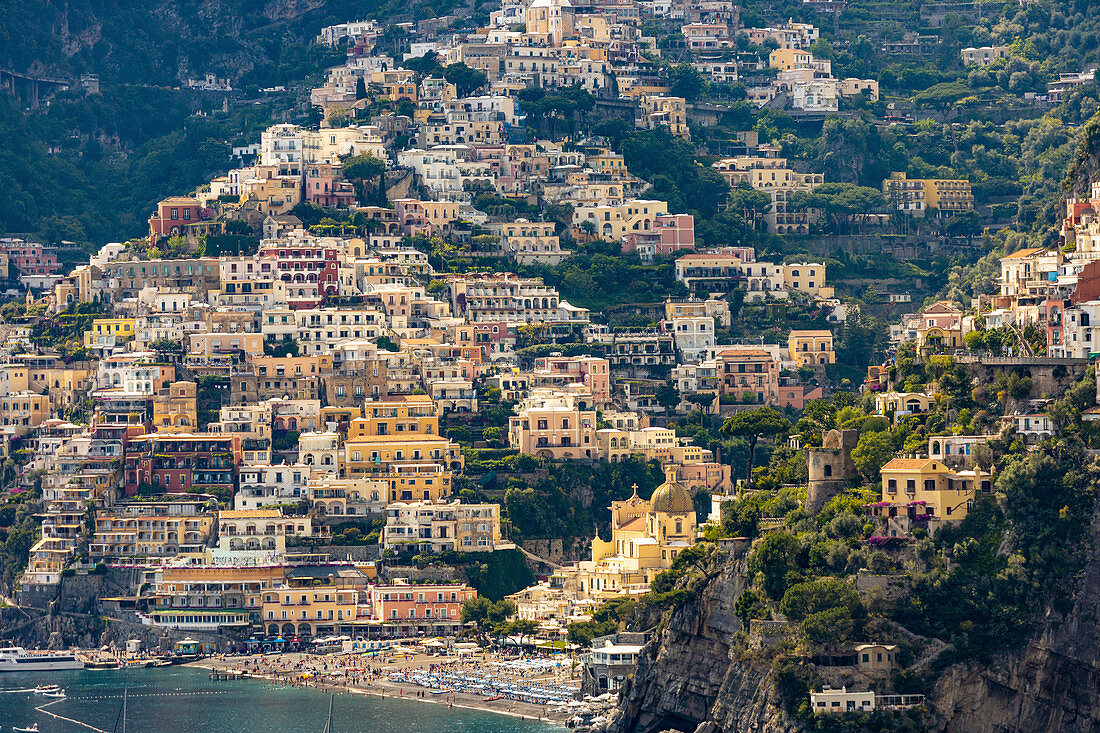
[671, 233]
[30, 258]
[592, 371]
[303, 264]
[174, 215]
[713, 476]
[797, 395]
[495, 338]
[425, 217]
[325, 186]
[407, 610]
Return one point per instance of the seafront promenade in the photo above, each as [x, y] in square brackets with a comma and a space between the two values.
[531, 688]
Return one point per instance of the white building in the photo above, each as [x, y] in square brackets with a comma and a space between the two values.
[694, 335]
[320, 330]
[261, 485]
[256, 536]
[281, 145]
[442, 526]
[448, 169]
[832, 700]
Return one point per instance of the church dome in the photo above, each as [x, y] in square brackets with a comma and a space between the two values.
[671, 497]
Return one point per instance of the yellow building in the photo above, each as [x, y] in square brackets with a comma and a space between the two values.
[408, 415]
[374, 454]
[395, 431]
[919, 491]
[208, 598]
[175, 408]
[396, 83]
[637, 87]
[608, 163]
[64, 386]
[645, 538]
[940, 327]
[21, 412]
[424, 482]
[110, 332]
[786, 59]
[671, 112]
[948, 195]
[531, 241]
[273, 196]
[807, 277]
[903, 403]
[636, 216]
[151, 530]
[809, 348]
[303, 609]
[918, 195]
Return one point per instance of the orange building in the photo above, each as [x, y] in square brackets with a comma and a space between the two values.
[407, 610]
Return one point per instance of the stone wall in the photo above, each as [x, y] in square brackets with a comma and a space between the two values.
[1049, 376]
[33, 595]
[764, 634]
[432, 573]
[559, 551]
[891, 587]
[830, 467]
[356, 553]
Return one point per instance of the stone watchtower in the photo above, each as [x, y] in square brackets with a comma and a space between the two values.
[830, 467]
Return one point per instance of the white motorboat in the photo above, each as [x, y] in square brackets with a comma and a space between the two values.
[43, 689]
[55, 693]
[32, 729]
[18, 659]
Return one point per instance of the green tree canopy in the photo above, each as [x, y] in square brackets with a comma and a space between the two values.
[841, 203]
[465, 79]
[426, 65]
[754, 424]
[942, 96]
[873, 451]
[686, 81]
[804, 599]
[362, 168]
[775, 558]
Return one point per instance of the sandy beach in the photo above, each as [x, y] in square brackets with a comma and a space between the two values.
[352, 674]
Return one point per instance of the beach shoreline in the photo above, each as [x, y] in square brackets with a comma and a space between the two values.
[382, 687]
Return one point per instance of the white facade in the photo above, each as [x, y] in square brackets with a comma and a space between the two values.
[261, 485]
[281, 145]
[694, 336]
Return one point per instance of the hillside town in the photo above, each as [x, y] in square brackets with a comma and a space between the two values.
[317, 398]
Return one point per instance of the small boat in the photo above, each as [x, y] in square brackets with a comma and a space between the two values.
[32, 729]
[43, 689]
[54, 693]
[494, 697]
[441, 692]
[102, 664]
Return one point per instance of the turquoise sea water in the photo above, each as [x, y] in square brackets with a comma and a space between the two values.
[185, 699]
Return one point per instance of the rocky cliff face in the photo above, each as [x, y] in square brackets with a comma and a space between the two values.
[1085, 169]
[1053, 684]
[174, 39]
[688, 679]
[687, 676]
